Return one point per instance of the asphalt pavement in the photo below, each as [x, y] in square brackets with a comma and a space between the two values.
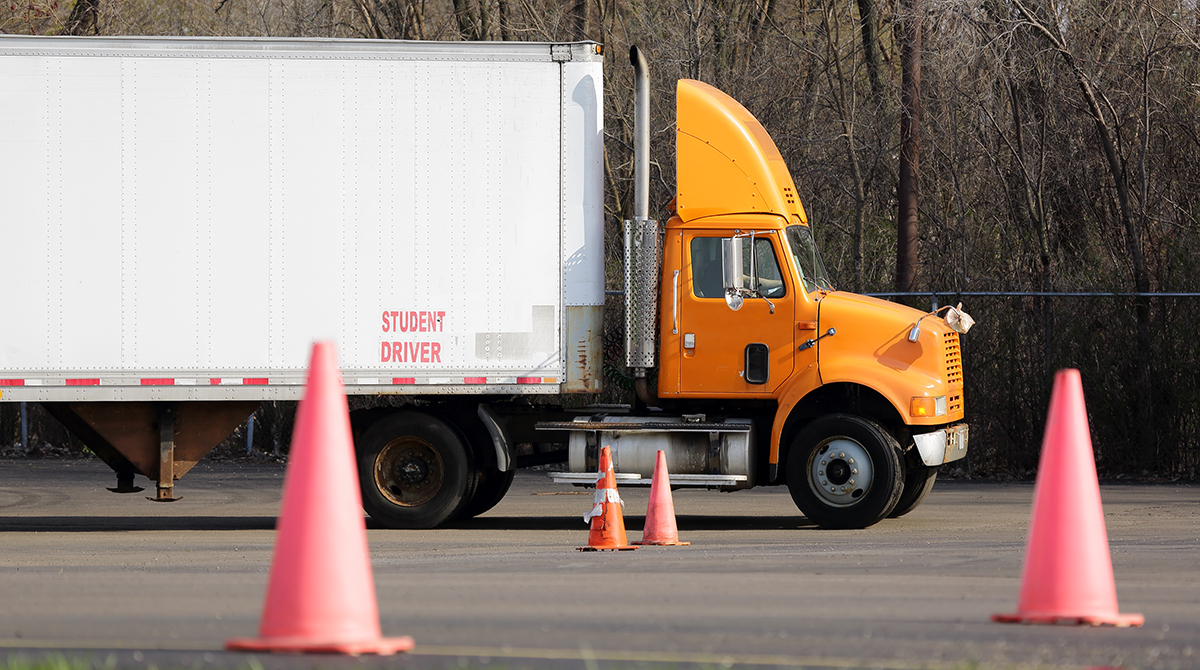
[97, 574]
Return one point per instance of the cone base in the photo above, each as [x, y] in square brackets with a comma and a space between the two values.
[1117, 620]
[662, 543]
[616, 548]
[383, 646]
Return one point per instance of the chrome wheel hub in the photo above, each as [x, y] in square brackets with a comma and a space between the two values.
[840, 472]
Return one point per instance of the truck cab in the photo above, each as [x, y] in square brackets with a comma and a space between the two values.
[853, 402]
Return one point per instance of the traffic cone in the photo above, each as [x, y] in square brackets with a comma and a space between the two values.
[1068, 575]
[608, 525]
[660, 528]
[320, 594]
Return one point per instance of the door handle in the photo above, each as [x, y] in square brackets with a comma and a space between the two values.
[675, 305]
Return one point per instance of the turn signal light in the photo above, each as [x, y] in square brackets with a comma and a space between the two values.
[921, 407]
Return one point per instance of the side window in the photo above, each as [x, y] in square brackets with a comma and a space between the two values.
[706, 268]
[770, 280]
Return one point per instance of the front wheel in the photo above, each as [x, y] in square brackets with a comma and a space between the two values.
[918, 482]
[413, 469]
[844, 471]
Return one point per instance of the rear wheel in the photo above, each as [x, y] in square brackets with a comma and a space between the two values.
[489, 491]
[844, 471]
[918, 482]
[414, 470]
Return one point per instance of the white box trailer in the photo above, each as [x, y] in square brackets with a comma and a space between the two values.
[184, 217]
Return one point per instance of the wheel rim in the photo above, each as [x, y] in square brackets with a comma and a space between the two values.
[409, 471]
[840, 472]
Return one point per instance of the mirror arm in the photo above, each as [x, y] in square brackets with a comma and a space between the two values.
[915, 333]
[808, 344]
[770, 304]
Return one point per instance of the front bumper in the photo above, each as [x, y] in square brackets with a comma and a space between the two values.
[942, 446]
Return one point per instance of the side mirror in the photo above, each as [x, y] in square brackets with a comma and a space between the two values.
[731, 271]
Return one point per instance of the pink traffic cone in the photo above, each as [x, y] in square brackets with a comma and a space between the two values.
[1068, 575]
[320, 594]
[660, 526]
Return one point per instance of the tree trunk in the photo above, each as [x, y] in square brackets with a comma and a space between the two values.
[869, 23]
[84, 19]
[579, 20]
[910, 147]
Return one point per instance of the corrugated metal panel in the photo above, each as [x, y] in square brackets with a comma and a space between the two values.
[406, 200]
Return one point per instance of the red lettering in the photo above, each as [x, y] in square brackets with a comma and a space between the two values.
[435, 353]
[422, 323]
[394, 320]
[385, 322]
[441, 322]
[398, 352]
[412, 322]
[424, 352]
[412, 350]
[386, 354]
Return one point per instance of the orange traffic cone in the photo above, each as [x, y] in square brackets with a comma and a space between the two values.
[660, 526]
[1068, 575]
[608, 525]
[320, 594]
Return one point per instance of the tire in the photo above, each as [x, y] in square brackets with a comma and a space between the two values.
[414, 470]
[844, 471]
[918, 482]
[489, 491]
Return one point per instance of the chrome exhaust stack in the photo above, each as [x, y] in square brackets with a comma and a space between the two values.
[642, 252]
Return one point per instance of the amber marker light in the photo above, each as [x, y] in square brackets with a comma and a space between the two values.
[922, 407]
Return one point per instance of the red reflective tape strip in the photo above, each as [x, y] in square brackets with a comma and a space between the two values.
[529, 380]
[404, 380]
[157, 381]
[474, 380]
[12, 382]
[83, 382]
[258, 381]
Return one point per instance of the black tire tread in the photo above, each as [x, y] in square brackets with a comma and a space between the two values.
[885, 490]
[459, 468]
[918, 482]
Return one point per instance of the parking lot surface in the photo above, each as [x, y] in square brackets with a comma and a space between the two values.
[93, 572]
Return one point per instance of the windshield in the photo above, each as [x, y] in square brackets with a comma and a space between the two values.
[804, 251]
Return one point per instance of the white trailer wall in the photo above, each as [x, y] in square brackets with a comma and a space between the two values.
[183, 218]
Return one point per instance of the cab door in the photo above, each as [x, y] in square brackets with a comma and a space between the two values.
[724, 352]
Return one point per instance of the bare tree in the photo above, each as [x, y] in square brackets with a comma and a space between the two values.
[84, 19]
[910, 147]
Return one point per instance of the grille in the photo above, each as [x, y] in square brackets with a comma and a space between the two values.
[954, 404]
[953, 363]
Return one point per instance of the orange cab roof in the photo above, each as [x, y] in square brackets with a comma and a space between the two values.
[726, 163]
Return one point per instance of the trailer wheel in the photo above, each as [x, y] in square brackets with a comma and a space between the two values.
[413, 469]
[918, 482]
[844, 471]
[490, 490]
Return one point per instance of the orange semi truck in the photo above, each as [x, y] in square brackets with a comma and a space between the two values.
[766, 374]
[437, 209]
